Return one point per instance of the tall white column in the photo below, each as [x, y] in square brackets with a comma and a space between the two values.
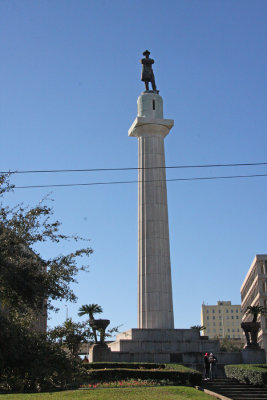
[155, 307]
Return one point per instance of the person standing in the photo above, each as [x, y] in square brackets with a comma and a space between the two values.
[206, 365]
[212, 361]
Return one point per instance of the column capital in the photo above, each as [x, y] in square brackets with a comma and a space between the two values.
[150, 126]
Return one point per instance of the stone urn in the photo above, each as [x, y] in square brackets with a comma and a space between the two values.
[99, 325]
[251, 330]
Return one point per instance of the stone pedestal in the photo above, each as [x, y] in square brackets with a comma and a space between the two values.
[155, 308]
[99, 352]
[252, 355]
[162, 345]
[251, 330]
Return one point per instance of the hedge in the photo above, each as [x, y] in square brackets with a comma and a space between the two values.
[252, 374]
[122, 365]
[189, 377]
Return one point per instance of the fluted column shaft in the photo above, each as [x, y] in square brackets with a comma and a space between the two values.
[155, 307]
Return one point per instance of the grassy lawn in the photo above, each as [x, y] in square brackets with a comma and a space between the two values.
[143, 393]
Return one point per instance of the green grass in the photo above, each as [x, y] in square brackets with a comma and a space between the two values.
[144, 393]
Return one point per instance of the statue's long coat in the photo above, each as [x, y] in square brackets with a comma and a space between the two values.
[147, 74]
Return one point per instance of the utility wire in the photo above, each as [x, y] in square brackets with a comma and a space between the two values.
[131, 168]
[125, 182]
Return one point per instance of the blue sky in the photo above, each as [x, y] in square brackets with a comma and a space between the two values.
[70, 78]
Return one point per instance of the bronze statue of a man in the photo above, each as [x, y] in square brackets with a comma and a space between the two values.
[147, 71]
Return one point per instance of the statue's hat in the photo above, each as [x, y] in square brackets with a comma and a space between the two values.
[146, 53]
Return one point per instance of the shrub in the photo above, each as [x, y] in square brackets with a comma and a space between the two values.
[123, 365]
[34, 364]
[252, 374]
[188, 377]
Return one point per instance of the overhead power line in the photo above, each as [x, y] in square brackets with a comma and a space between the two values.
[126, 182]
[131, 168]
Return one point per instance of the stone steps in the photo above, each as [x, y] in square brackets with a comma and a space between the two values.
[235, 391]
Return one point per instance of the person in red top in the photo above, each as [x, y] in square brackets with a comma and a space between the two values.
[206, 365]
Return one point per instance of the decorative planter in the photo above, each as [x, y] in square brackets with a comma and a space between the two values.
[251, 330]
[99, 325]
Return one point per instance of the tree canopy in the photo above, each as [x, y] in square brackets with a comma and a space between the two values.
[90, 310]
[29, 284]
[71, 335]
[255, 311]
[26, 279]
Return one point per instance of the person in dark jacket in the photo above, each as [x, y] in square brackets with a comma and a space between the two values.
[206, 366]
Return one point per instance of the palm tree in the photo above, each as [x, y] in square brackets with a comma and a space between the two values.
[90, 310]
[255, 311]
[198, 328]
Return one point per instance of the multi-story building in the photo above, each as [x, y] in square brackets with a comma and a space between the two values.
[254, 293]
[222, 320]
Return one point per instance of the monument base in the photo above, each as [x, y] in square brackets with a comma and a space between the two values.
[252, 355]
[99, 352]
[181, 346]
[184, 346]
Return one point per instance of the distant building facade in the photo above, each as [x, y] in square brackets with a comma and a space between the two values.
[254, 292]
[222, 320]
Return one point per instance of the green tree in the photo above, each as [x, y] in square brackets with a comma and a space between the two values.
[90, 310]
[28, 286]
[31, 362]
[198, 328]
[110, 332]
[26, 279]
[71, 335]
[230, 345]
[255, 311]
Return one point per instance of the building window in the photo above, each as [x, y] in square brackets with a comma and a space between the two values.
[237, 330]
[219, 311]
[232, 311]
[227, 317]
[214, 323]
[214, 330]
[237, 317]
[236, 310]
[208, 317]
[213, 311]
[228, 330]
[213, 317]
[227, 310]
[207, 311]
[220, 317]
[220, 323]
[232, 317]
